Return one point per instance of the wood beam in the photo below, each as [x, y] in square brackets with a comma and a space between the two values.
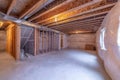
[13, 3]
[86, 12]
[64, 3]
[82, 21]
[33, 8]
[79, 25]
[36, 41]
[92, 28]
[72, 10]
[81, 17]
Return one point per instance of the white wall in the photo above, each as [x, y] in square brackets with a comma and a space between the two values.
[2, 40]
[79, 41]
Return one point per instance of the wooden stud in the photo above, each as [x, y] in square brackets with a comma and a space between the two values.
[36, 42]
[43, 41]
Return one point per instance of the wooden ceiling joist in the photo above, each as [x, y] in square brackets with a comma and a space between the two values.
[63, 15]
[33, 8]
[78, 18]
[79, 25]
[13, 3]
[92, 10]
[72, 10]
[66, 2]
[82, 21]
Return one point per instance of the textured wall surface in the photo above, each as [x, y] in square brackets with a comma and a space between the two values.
[110, 54]
[80, 41]
[2, 40]
[64, 41]
[27, 39]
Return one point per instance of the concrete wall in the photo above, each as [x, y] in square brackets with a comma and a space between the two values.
[2, 40]
[81, 41]
[110, 52]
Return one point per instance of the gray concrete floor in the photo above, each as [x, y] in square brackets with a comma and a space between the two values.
[57, 65]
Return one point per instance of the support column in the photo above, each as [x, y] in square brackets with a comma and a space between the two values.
[36, 37]
[47, 41]
[42, 41]
[17, 43]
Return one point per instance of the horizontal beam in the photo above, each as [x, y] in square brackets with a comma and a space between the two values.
[75, 24]
[91, 27]
[22, 22]
[82, 21]
[64, 3]
[13, 3]
[86, 12]
[80, 18]
[33, 8]
[72, 10]
[79, 25]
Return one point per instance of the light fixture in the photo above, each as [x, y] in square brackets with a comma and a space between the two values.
[80, 32]
[56, 19]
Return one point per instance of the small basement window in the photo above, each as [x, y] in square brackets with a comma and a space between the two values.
[118, 40]
[102, 36]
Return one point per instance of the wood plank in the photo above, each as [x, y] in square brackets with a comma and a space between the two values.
[33, 8]
[89, 11]
[82, 22]
[13, 3]
[18, 42]
[66, 2]
[36, 43]
[72, 10]
[43, 41]
[79, 18]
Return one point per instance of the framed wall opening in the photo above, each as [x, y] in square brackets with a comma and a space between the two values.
[27, 41]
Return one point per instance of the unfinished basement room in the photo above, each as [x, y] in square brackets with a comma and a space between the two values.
[59, 39]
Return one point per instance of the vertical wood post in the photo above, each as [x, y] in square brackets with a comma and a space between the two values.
[36, 39]
[17, 43]
[43, 41]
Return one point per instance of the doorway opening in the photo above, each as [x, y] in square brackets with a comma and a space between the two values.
[8, 38]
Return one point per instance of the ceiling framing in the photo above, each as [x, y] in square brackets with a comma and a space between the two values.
[64, 15]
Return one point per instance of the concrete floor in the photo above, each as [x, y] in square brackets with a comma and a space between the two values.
[57, 65]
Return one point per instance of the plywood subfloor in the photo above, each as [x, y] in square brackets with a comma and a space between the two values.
[57, 65]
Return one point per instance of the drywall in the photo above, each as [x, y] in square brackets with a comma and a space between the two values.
[110, 52]
[2, 40]
[81, 41]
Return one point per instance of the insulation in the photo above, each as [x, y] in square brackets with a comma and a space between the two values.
[108, 44]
